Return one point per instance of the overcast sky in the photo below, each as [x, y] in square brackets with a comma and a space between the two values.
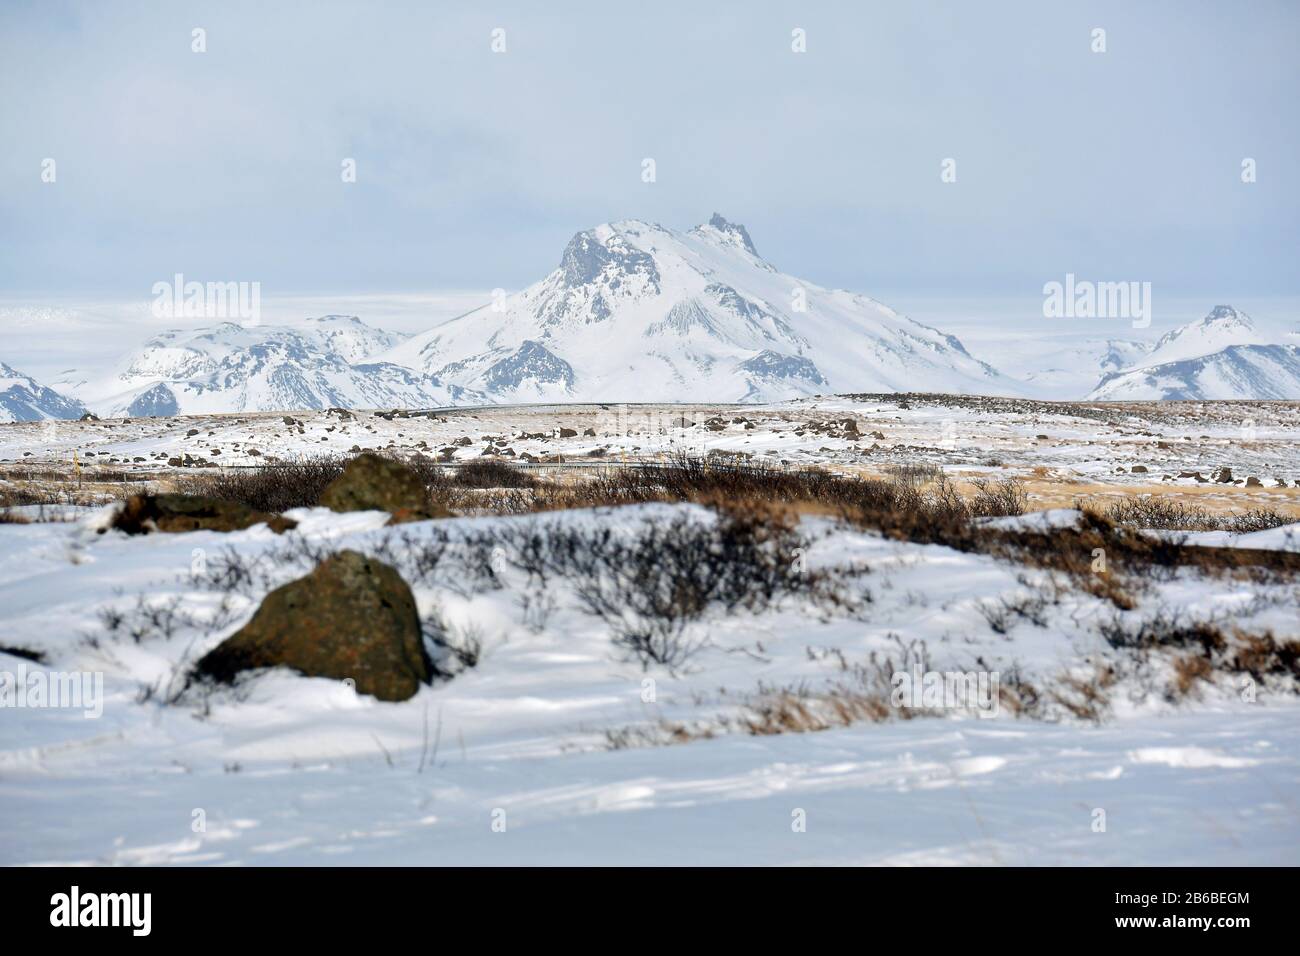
[474, 168]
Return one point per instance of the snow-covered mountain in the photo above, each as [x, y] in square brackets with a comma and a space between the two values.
[1222, 356]
[1222, 328]
[23, 399]
[638, 311]
[349, 338]
[233, 368]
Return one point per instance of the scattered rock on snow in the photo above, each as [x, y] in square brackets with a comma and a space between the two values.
[141, 514]
[352, 618]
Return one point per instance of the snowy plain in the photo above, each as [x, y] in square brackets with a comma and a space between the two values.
[511, 761]
[548, 751]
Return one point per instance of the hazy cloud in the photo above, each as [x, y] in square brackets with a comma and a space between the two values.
[474, 168]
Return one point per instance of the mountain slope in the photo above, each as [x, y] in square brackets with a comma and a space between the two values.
[349, 338]
[1222, 356]
[23, 399]
[1237, 372]
[1223, 327]
[638, 311]
[233, 368]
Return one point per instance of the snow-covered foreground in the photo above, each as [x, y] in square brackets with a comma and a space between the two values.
[527, 757]
[1192, 789]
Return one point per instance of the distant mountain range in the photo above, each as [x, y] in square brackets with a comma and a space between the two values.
[23, 399]
[1220, 356]
[639, 312]
[237, 368]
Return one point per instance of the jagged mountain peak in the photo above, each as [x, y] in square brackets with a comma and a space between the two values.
[1220, 356]
[1222, 320]
[604, 253]
[1222, 312]
[727, 233]
[1224, 326]
[636, 309]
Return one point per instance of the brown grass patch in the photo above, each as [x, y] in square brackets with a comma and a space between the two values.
[1189, 670]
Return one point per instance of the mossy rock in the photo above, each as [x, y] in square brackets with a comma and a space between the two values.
[371, 482]
[353, 618]
[142, 514]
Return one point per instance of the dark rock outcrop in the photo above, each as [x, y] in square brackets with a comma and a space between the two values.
[142, 514]
[353, 618]
[371, 482]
